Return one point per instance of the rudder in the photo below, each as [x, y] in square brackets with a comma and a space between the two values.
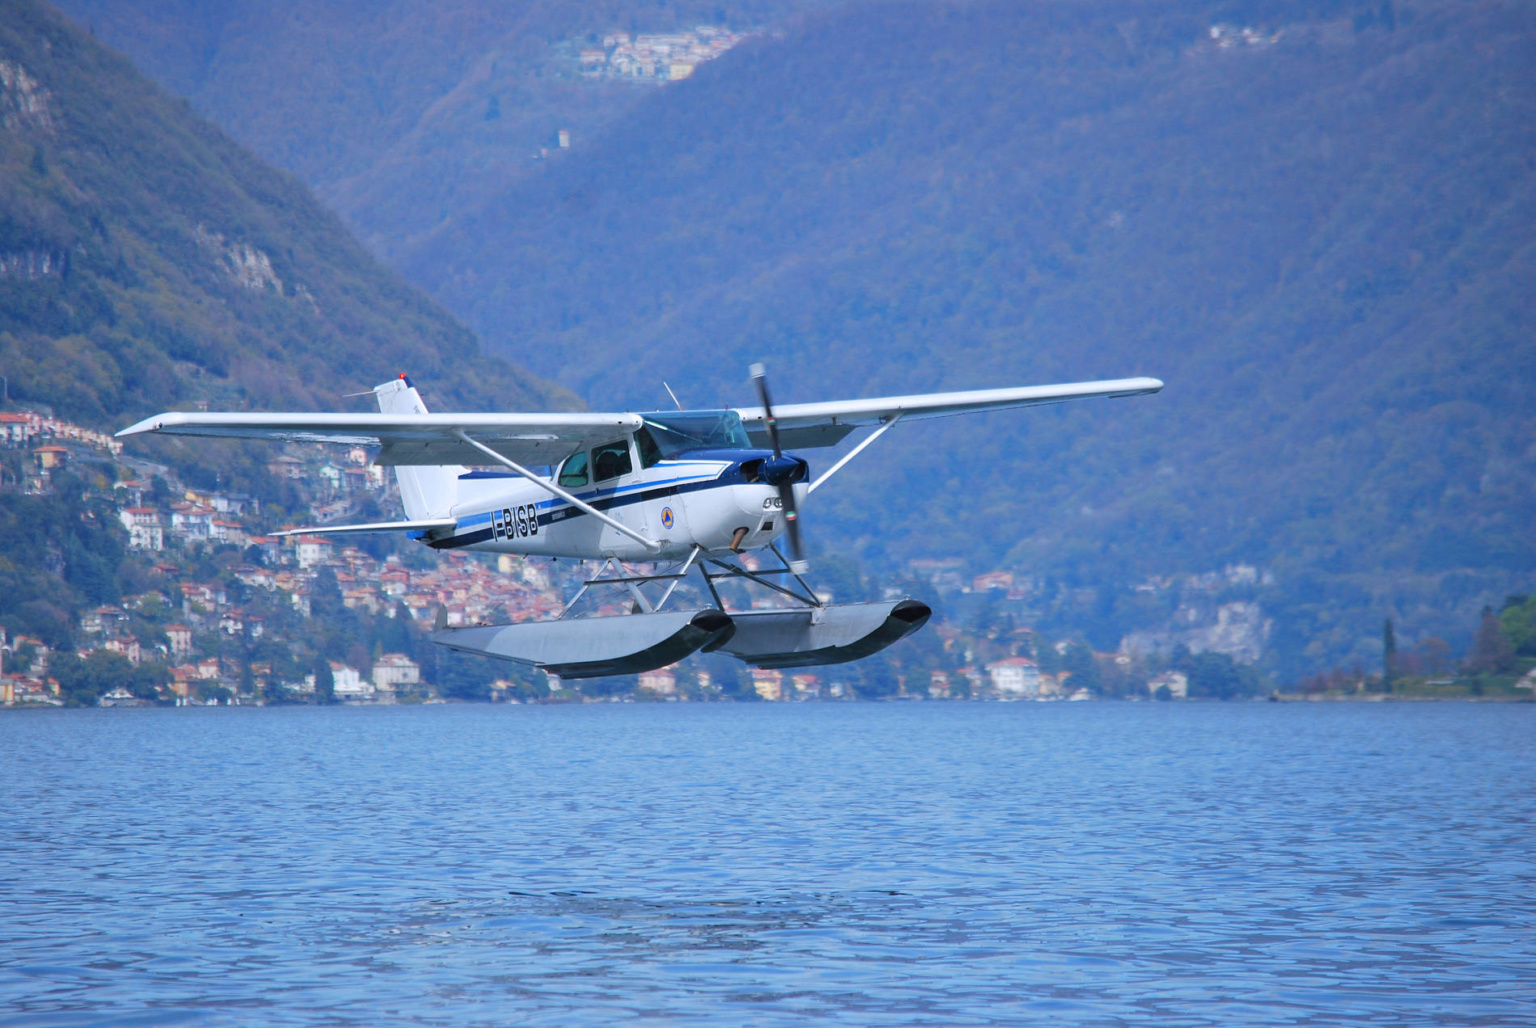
[426, 491]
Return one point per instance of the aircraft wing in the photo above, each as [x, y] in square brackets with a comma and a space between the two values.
[807, 425]
[410, 438]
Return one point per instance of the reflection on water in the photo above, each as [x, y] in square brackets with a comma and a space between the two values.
[1168, 864]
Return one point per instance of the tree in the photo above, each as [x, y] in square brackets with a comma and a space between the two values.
[1433, 655]
[1491, 652]
[85, 680]
[325, 594]
[325, 682]
[1217, 676]
[1085, 670]
[1518, 619]
[1388, 656]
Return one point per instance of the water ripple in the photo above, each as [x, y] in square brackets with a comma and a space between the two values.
[1085, 864]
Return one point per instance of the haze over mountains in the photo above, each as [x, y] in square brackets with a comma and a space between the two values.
[1318, 234]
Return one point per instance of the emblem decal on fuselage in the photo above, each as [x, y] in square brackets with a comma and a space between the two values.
[666, 517]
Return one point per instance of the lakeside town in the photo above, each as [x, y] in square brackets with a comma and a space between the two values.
[219, 609]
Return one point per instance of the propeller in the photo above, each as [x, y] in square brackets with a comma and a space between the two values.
[781, 471]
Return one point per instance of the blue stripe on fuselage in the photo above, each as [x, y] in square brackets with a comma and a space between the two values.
[556, 510]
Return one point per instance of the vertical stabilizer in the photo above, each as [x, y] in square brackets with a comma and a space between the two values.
[425, 491]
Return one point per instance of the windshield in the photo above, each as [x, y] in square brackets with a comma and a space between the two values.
[696, 430]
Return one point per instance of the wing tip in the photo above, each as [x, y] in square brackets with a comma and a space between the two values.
[139, 428]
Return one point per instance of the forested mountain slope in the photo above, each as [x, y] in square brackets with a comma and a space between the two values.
[146, 261]
[1318, 235]
[1321, 241]
[399, 113]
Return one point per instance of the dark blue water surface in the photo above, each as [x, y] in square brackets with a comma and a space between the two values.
[943, 864]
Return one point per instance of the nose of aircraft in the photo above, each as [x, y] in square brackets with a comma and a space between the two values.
[783, 470]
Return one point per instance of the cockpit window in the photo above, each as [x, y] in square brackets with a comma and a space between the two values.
[611, 460]
[674, 433]
[574, 471]
[650, 453]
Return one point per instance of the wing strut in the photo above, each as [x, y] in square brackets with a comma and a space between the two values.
[834, 469]
[550, 487]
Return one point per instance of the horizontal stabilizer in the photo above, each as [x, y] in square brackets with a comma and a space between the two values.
[377, 526]
[591, 647]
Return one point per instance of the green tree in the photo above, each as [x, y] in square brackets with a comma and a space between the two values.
[84, 680]
[1085, 670]
[325, 595]
[1518, 619]
[1217, 676]
[325, 682]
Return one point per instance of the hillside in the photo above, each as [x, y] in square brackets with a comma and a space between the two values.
[1317, 233]
[399, 113]
[147, 261]
[1321, 241]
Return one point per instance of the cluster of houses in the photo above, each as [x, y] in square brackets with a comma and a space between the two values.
[1226, 37]
[657, 57]
[470, 590]
[24, 678]
[24, 428]
[284, 568]
[49, 439]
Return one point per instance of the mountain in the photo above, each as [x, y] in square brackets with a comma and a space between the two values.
[1310, 218]
[400, 113]
[1318, 236]
[147, 261]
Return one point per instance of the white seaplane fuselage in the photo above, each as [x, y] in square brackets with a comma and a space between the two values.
[697, 498]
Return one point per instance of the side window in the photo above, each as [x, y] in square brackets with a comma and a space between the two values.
[611, 460]
[650, 453]
[574, 471]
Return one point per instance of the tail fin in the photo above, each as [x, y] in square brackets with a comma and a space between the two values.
[426, 491]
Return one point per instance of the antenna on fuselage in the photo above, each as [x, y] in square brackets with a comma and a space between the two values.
[672, 394]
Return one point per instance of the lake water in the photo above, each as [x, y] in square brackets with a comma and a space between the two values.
[861, 864]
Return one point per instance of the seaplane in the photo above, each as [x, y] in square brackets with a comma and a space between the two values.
[651, 498]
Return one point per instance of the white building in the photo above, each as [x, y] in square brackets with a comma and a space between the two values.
[145, 532]
[127, 646]
[191, 520]
[662, 682]
[1176, 682]
[348, 684]
[1015, 677]
[393, 670]
[180, 638]
[310, 550]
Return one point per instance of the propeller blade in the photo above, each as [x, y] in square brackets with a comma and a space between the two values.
[797, 561]
[760, 379]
